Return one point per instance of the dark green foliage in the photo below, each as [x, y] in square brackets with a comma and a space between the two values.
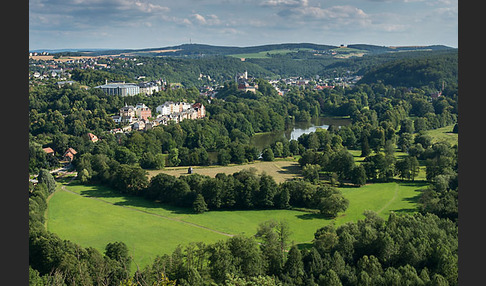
[130, 179]
[358, 175]
[311, 172]
[427, 71]
[294, 266]
[199, 205]
[45, 177]
[267, 154]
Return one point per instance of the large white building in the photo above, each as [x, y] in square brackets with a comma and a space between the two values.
[122, 89]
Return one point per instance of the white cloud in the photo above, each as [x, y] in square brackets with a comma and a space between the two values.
[210, 20]
[332, 17]
[66, 14]
[289, 3]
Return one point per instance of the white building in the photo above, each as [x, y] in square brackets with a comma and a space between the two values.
[164, 109]
[149, 88]
[122, 89]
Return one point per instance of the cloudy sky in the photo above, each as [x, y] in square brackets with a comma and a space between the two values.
[134, 24]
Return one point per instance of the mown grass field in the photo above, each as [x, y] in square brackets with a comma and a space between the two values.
[280, 170]
[265, 54]
[444, 134]
[94, 216]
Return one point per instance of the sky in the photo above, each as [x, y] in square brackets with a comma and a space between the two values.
[138, 24]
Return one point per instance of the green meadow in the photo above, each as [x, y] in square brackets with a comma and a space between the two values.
[267, 54]
[94, 216]
[444, 134]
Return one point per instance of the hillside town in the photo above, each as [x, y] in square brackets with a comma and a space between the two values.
[140, 117]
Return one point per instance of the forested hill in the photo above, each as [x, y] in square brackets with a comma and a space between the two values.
[430, 70]
[197, 50]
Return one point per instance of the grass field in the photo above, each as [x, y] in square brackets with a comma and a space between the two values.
[444, 134]
[265, 54]
[280, 170]
[94, 216]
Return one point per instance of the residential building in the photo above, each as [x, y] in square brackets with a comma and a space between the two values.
[69, 155]
[127, 111]
[138, 125]
[48, 151]
[93, 138]
[165, 109]
[149, 88]
[200, 109]
[142, 111]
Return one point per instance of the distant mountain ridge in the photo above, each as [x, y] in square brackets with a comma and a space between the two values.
[205, 49]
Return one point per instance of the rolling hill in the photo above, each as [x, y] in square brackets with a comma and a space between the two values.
[199, 50]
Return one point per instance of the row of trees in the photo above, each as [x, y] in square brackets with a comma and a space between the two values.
[241, 190]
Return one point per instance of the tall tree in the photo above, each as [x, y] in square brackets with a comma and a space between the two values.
[45, 177]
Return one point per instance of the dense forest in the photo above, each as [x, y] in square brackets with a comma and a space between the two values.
[385, 114]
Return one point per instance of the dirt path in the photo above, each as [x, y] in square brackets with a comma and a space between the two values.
[390, 201]
[149, 213]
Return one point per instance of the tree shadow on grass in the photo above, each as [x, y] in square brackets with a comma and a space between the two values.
[137, 202]
[417, 183]
[291, 169]
[311, 216]
[103, 192]
[305, 245]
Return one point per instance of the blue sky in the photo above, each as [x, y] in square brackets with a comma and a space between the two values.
[133, 24]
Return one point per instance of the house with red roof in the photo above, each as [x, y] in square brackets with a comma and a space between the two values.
[93, 138]
[48, 151]
[69, 155]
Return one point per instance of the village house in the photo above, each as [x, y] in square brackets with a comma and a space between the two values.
[142, 111]
[69, 155]
[127, 111]
[48, 151]
[138, 125]
[436, 95]
[200, 109]
[93, 138]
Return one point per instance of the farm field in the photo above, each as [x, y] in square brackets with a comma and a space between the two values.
[94, 216]
[279, 170]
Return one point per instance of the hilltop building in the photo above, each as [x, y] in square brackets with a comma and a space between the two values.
[243, 82]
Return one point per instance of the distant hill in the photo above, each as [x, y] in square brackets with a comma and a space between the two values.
[198, 50]
[429, 70]
[383, 49]
[185, 50]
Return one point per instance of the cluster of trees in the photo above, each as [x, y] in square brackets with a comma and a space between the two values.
[241, 190]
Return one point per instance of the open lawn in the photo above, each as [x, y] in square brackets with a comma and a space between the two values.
[279, 170]
[94, 216]
[443, 134]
